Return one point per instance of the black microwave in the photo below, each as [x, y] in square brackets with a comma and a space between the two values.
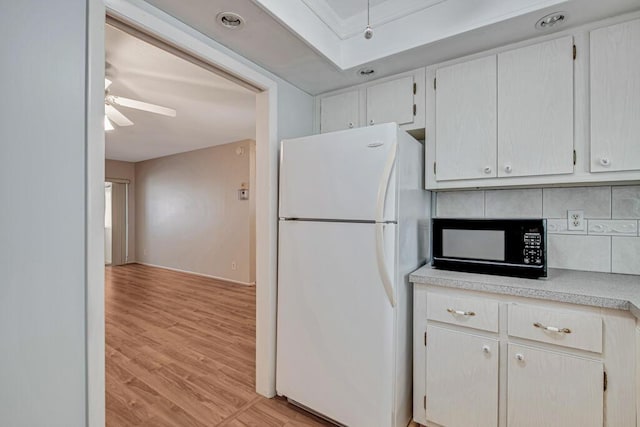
[509, 247]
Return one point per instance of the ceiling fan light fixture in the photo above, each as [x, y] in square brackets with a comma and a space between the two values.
[368, 33]
[230, 20]
[107, 124]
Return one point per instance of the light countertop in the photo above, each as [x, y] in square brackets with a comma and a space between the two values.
[607, 290]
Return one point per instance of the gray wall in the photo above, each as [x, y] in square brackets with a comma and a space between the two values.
[188, 213]
[42, 213]
[610, 241]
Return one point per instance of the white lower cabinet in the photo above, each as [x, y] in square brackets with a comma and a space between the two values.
[507, 361]
[462, 378]
[551, 389]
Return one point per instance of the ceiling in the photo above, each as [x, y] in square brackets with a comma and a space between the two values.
[211, 110]
[348, 18]
[318, 46]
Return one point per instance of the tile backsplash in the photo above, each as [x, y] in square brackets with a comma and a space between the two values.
[610, 241]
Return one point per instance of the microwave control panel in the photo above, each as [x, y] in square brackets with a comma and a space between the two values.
[532, 252]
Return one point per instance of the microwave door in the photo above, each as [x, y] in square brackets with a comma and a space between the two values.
[487, 245]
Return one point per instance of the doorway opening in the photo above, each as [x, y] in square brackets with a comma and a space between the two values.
[170, 33]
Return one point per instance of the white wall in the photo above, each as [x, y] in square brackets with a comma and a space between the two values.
[42, 215]
[609, 243]
[189, 216]
[116, 169]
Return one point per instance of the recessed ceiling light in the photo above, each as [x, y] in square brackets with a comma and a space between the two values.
[366, 72]
[552, 20]
[230, 20]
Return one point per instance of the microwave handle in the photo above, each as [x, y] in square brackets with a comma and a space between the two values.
[387, 282]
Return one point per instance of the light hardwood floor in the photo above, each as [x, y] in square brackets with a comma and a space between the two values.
[180, 351]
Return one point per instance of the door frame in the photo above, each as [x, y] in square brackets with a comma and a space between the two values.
[167, 29]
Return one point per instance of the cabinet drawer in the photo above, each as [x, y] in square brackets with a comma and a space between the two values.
[570, 329]
[477, 313]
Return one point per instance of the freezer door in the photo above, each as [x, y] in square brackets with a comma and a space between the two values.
[348, 175]
[335, 348]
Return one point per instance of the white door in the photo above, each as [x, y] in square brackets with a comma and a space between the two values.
[535, 109]
[118, 223]
[466, 122]
[335, 348]
[615, 97]
[340, 175]
[462, 379]
[339, 112]
[391, 101]
[553, 389]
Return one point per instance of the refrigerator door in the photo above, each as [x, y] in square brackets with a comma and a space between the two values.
[336, 327]
[348, 175]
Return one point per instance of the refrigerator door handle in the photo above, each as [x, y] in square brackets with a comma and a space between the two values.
[384, 182]
[382, 264]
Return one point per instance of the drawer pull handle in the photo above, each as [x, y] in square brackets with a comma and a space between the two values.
[461, 313]
[552, 328]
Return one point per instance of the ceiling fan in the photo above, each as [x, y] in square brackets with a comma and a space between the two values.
[111, 114]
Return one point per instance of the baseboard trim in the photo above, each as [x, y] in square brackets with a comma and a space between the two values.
[237, 282]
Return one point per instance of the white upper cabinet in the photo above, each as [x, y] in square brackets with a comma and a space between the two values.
[615, 97]
[466, 108]
[535, 109]
[400, 99]
[391, 101]
[339, 112]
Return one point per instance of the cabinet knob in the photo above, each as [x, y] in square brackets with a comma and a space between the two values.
[350, 125]
[508, 168]
[487, 169]
[519, 357]
[605, 161]
[486, 349]
[371, 122]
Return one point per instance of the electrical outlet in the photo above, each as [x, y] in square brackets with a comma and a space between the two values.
[234, 266]
[575, 220]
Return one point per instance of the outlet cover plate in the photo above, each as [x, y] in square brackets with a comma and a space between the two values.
[575, 220]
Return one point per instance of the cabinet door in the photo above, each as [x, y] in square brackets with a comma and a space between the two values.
[462, 379]
[615, 97]
[466, 138]
[553, 389]
[391, 101]
[535, 109]
[339, 112]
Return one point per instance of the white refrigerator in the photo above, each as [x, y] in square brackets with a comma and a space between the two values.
[354, 222]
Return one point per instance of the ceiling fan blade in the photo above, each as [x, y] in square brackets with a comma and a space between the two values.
[116, 116]
[107, 124]
[139, 105]
[107, 83]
